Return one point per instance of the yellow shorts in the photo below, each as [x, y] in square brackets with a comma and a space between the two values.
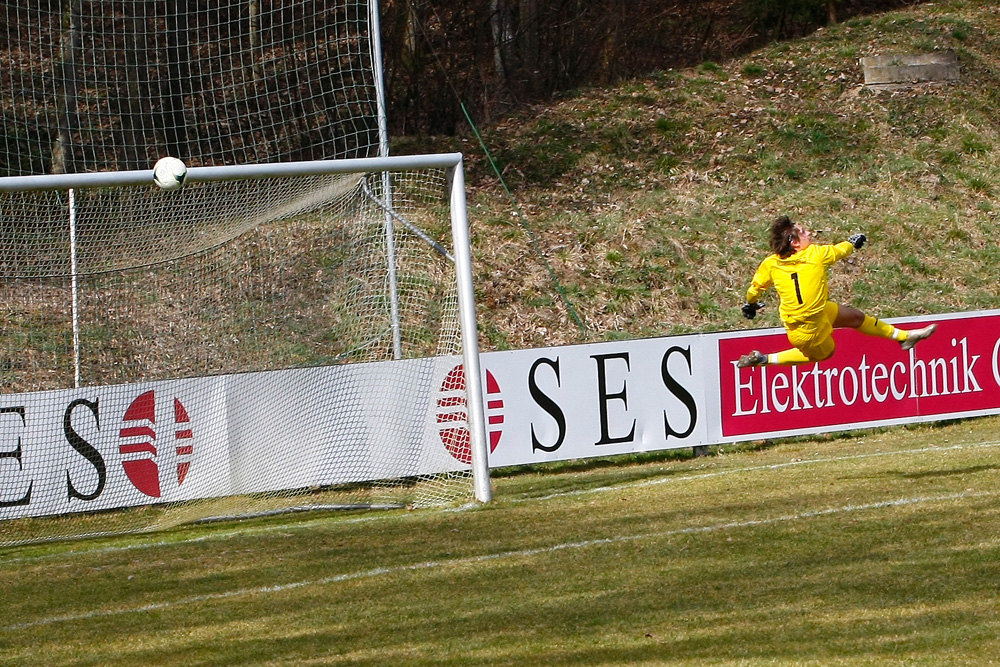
[814, 337]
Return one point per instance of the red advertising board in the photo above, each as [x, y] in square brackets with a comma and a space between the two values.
[868, 380]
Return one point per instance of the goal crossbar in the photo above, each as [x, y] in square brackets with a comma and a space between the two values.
[105, 179]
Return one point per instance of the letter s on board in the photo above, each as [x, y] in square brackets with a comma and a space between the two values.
[85, 449]
[678, 390]
[547, 404]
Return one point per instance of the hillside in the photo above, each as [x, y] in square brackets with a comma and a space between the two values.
[648, 203]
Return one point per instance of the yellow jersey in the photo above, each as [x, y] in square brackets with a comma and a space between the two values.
[799, 280]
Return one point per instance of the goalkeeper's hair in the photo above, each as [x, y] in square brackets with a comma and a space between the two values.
[783, 232]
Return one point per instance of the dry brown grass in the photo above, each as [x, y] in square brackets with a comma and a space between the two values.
[650, 201]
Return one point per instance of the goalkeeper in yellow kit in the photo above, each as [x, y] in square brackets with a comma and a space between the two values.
[797, 271]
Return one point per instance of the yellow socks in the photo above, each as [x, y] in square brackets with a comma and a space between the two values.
[787, 358]
[874, 327]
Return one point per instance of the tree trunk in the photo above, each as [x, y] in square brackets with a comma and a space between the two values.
[134, 114]
[62, 150]
[500, 22]
[256, 54]
[178, 78]
[528, 30]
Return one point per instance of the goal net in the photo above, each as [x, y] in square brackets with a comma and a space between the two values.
[267, 338]
[88, 86]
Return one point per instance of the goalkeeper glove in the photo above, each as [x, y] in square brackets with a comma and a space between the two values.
[750, 310]
[857, 240]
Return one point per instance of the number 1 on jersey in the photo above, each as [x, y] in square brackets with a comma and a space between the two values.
[798, 292]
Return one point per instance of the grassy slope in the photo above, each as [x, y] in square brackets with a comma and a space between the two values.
[651, 201]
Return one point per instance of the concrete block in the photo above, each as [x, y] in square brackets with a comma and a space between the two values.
[909, 69]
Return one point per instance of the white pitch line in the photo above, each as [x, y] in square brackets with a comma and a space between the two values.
[736, 471]
[308, 525]
[218, 535]
[503, 555]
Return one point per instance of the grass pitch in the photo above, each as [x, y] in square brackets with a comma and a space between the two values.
[878, 547]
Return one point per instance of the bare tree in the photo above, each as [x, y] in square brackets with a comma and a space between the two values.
[136, 71]
[62, 151]
[178, 80]
[500, 23]
[528, 30]
[255, 50]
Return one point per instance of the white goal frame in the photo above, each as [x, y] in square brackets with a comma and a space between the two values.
[450, 163]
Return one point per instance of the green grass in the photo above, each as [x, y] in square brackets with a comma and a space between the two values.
[867, 548]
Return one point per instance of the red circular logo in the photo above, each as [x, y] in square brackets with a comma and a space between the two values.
[453, 418]
[139, 433]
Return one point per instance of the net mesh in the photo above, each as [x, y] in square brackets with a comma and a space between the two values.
[276, 288]
[90, 86]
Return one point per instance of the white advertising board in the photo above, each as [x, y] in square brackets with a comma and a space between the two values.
[106, 447]
[595, 400]
[100, 448]
[684, 391]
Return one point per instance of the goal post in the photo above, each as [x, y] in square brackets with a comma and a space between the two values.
[231, 348]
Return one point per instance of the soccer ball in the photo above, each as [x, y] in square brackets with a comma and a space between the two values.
[169, 173]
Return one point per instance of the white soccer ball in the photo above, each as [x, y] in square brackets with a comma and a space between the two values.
[169, 173]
